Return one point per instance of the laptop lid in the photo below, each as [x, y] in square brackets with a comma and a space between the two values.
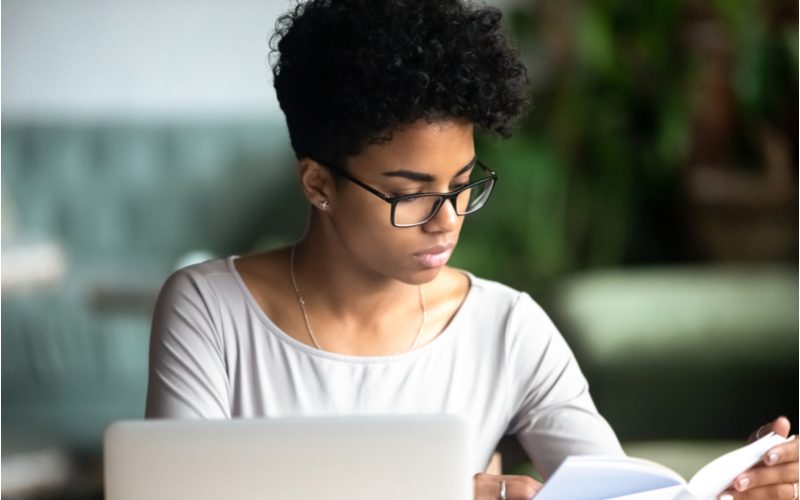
[386, 457]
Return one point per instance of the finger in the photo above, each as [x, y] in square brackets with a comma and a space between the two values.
[764, 476]
[521, 487]
[787, 491]
[488, 487]
[785, 452]
[780, 425]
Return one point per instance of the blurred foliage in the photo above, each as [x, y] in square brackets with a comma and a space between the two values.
[593, 176]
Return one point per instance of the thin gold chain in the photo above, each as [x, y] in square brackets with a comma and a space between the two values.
[302, 302]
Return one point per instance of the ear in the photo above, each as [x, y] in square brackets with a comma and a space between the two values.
[316, 183]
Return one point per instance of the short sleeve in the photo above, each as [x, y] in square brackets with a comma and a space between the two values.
[553, 414]
[187, 374]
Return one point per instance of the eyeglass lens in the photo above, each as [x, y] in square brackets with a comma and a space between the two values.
[411, 211]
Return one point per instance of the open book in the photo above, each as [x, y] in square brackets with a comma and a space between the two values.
[596, 477]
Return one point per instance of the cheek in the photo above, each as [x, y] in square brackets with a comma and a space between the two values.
[364, 224]
[359, 216]
[364, 227]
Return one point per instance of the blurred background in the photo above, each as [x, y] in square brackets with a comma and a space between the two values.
[649, 201]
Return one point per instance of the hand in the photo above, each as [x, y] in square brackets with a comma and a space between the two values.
[776, 477]
[489, 487]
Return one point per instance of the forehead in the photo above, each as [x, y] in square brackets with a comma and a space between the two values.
[434, 148]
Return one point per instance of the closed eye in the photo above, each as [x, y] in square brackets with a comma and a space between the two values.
[409, 199]
[459, 183]
[412, 193]
[453, 187]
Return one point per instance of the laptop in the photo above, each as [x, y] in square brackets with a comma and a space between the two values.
[365, 457]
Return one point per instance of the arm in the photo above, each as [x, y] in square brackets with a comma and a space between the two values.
[555, 416]
[187, 375]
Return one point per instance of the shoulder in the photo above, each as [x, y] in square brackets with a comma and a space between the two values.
[207, 269]
[492, 289]
[524, 323]
[492, 294]
[203, 284]
[228, 289]
[201, 276]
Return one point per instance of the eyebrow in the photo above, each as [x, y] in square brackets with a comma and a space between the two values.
[421, 177]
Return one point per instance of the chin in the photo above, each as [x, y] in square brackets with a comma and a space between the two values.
[421, 276]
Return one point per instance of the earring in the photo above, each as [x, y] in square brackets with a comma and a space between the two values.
[324, 205]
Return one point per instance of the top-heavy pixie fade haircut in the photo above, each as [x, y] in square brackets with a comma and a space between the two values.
[350, 72]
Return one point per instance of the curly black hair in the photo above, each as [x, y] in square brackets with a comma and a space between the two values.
[349, 72]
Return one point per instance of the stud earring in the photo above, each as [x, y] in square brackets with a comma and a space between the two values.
[324, 205]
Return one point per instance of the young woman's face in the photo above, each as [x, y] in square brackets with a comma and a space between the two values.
[422, 157]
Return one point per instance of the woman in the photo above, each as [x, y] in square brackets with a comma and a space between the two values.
[363, 315]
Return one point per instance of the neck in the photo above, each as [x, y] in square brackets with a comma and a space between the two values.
[334, 280]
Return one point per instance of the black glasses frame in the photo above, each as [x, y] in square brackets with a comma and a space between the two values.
[442, 197]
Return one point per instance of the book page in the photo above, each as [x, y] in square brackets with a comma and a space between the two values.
[582, 477]
[677, 492]
[718, 474]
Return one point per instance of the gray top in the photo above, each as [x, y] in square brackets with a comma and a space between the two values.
[500, 363]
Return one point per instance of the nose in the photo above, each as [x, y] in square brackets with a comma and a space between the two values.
[445, 220]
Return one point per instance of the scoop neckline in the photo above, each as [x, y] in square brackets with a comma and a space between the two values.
[443, 337]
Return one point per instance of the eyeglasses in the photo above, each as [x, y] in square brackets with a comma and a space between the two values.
[417, 209]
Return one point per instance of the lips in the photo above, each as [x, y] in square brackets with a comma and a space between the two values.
[434, 256]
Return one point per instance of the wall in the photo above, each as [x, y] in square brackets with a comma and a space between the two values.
[95, 59]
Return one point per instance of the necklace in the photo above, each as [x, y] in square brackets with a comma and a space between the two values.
[302, 302]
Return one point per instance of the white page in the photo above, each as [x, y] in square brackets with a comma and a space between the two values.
[677, 492]
[582, 477]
